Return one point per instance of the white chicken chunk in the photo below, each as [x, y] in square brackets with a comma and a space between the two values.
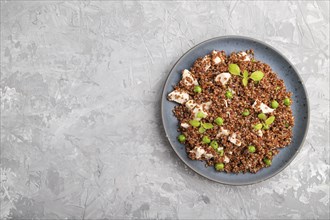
[245, 55]
[188, 79]
[223, 78]
[233, 139]
[178, 96]
[263, 107]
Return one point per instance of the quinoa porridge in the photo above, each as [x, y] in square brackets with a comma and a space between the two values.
[233, 111]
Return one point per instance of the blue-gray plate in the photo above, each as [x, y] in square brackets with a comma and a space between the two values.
[285, 71]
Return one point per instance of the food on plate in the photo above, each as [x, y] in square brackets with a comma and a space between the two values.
[234, 113]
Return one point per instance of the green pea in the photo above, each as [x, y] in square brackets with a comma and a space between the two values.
[182, 138]
[267, 161]
[194, 123]
[219, 166]
[287, 101]
[277, 88]
[246, 112]
[219, 121]
[197, 89]
[229, 94]
[214, 145]
[274, 104]
[252, 149]
[286, 125]
[220, 152]
[262, 116]
[200, 115]
[206, 140]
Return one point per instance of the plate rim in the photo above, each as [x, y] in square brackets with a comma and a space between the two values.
[239, 37]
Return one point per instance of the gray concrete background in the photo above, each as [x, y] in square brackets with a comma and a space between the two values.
[81, 134]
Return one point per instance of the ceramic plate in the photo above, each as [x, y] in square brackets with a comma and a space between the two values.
[285, 71]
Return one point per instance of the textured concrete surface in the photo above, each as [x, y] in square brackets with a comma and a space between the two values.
[81, 134]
